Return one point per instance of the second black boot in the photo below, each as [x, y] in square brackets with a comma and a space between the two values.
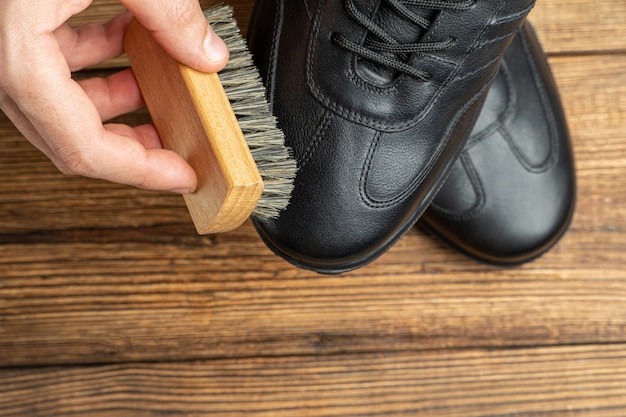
[512, 193]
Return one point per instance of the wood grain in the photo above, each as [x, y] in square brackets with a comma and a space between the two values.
[581, 26]
[118, 274]
[140, 316]
[560, 381]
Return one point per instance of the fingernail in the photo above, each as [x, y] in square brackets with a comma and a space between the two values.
[214, 47]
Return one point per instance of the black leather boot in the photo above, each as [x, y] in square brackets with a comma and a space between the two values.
[376, 99]
[511, 195]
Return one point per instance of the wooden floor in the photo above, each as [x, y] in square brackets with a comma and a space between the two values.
[111, 305]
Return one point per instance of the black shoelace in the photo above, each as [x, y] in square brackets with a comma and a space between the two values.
[387, 51]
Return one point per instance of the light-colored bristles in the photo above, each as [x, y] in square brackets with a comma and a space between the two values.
[244, 88]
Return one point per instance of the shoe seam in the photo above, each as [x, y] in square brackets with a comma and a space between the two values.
[496, 39]
[308, 9]
[546, 105]
[273, 62]
[468, 165]
[470, 169]
[476, 71]
[316, 139]
[373, 203]
[504, 116]
[367, 200]
[358, 118]
[553, 151]
[514, 16]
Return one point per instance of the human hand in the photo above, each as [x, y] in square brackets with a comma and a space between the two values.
[64, 118]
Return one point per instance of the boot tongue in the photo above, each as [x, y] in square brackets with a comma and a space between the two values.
[402, 31]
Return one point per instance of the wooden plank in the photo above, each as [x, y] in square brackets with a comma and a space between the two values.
[580, 26]
[560, 381]
[81, 283]
[119, 301]
[92, 273]
[593, 90]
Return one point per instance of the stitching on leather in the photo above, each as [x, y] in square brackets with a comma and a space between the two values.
[514, 16]
[351, 114]
[308, 9]
[477, 186]
[365, 171]
[272, 63]
[545, 102]
[471, 73]
[315, 140]
[315, 90]
[503, 117]
[553, 149]
[392, 89]
[497, 39]
[372, 203]
[482, 33]
[358, 118]
[358, 80]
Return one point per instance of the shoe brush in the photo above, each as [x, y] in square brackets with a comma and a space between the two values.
[221, 124]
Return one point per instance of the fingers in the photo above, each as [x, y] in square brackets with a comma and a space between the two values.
[38, 17]
[63, 118]
[133, 156]
[114, 95]
[121, 154]
[182, 30]
[60, 118]
[125, 155]
[81, 145]
[178, 25]
[92, 43]
[146, 135]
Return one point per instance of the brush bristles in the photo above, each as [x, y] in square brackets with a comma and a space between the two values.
[244, 88]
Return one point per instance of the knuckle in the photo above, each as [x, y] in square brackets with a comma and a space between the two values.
[184, 11]
[141, 182]
[77, 163]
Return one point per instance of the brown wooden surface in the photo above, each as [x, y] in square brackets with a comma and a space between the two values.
[559, 381]
[112, 305]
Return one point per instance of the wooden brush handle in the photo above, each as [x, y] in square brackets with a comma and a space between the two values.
[194, 118]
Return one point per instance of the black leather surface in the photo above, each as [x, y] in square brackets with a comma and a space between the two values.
[373, 144]
[511, 195]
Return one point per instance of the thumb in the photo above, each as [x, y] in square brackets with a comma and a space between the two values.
[180, 27]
